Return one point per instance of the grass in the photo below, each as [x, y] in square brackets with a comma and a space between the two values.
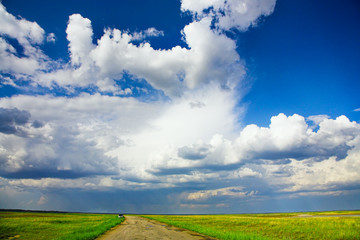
[269, 226]
[59, 226]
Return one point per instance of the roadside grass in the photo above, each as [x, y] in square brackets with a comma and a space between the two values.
[59, 226]
[269, 226]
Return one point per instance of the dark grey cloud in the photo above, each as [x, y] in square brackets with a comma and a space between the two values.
[316, 152]
[11, 119]
[194, 152]
[65, 155]
[37, 124]
[15, 121]
[299, 153]
[204, 168]
[113, 201]
[39, 173]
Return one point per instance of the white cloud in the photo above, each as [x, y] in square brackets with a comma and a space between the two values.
[291, 137]
[8, 81]
[245, 172]
[29, 35]
[10, 63]
[288, 143]
[150, 32]
[240, 14]
[237, 192]
[199, 6]
[79, 34]
[212, 57]
[245, 13]
[24, 31]
[51, 38]
[317, 119]
[282, 133]
[115, 54]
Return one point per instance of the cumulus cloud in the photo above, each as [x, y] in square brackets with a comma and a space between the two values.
[24, 31]
[115, 54]
[79, 34]
[28, 35]
[231, 13]
[291, 137]
[288, 139]
[10, 63]
[210, 57]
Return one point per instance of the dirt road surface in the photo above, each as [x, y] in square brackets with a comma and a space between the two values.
[136, 228]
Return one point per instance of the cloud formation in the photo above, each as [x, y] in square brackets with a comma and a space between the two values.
[228, 191]
[210, 57]
[141, 149]
[48, 148]
[171, 145]
[11, 119]
[28, 35]
[79, 34]
[231, 13]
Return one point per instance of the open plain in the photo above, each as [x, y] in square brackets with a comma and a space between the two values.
[310, 225]
[86, 226]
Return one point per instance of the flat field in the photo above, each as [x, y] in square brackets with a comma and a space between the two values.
[60, 226]
[311, 225]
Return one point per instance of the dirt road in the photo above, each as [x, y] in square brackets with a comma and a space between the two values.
[141, 228]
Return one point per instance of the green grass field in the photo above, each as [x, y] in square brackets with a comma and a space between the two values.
[269, 226]
[60, 226]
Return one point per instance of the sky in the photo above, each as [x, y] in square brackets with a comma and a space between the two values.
[176, 107]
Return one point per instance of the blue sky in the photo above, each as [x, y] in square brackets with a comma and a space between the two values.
[179, 106]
